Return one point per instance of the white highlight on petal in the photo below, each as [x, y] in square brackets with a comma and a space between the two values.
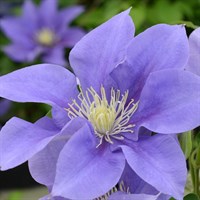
[109, 119]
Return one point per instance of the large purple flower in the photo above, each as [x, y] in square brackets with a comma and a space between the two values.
[128, 87]
[41, 31]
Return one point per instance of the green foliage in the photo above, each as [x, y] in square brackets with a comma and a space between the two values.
[185, 140]
[15, 195]
[145, 13]
[191, 197]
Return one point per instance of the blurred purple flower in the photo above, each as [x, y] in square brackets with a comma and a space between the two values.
[93, 133]
[194, 59]
[41, 31]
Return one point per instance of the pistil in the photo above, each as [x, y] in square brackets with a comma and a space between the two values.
[45, 37]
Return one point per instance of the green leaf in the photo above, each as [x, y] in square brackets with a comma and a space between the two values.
[15, 195]
[164, 11]
[187, 24]
[189, 184]
[191, 197]
[49, 114]
[138, 14]
[185, 140]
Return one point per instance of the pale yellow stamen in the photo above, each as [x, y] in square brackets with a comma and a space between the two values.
[45, 37]
[109, 119]
[120, 188]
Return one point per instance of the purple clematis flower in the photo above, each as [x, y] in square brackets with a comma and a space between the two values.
[41, 31]
[194, 59]
[129, 86]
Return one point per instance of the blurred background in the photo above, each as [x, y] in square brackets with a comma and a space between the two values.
[17, 184]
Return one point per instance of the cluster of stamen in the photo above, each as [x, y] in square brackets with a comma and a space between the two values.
[45, 37]
[109, 119]
[120, 188]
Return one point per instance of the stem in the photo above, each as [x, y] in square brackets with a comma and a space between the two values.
[198, 168]
[194, 170]
[196, 186]
[191, 168]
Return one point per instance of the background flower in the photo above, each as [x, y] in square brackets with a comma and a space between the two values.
[43, 31]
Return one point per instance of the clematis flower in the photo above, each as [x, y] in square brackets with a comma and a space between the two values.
[129, 86]
[194, 60]
[41, 31]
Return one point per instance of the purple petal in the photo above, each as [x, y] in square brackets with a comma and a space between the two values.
[30, 15]
[60, 116]
[49, 197]
[42, 166]
[160, 162]
[21, 53]
[44, 83]
[14, 29]
[138, 186]
[20, 140]
[47, 12]
[93, 171]
[194, 60]
[159, 47]
[71, 36]
[47, 124]
[55, 55]
[69, 14]
[101, 49]
[170, 102]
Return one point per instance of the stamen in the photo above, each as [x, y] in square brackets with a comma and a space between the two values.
[105, 196]
[121, 187]
[109, 119]
[45, 37]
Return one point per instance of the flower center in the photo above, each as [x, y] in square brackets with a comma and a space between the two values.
[109, 119]
[45, 37]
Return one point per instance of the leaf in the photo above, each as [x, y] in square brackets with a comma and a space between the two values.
[187, 24]
[138, 13]
[15, 195]
[191, 196]
[164, 11]
[185, 140]
[49, 114]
